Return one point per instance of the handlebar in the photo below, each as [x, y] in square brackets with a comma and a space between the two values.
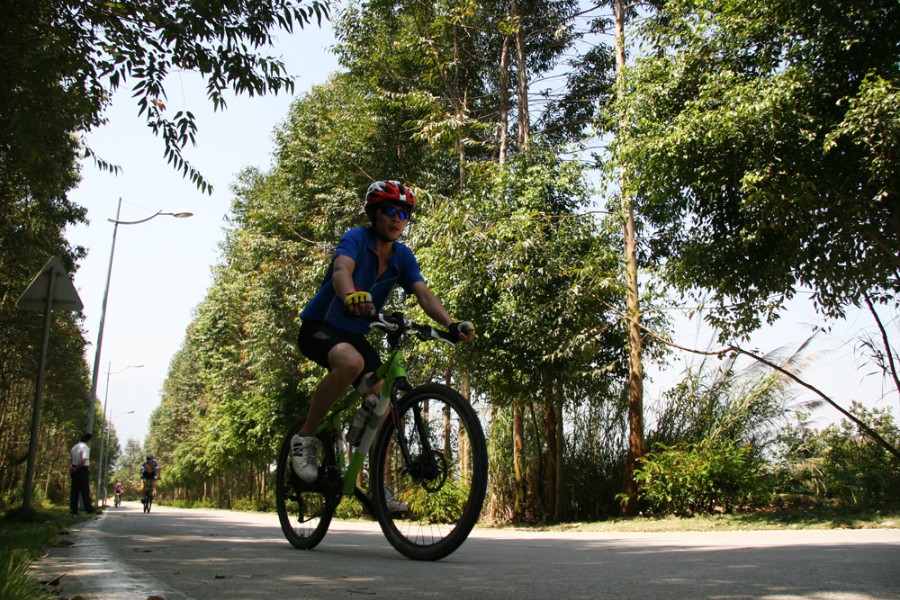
[397, 324]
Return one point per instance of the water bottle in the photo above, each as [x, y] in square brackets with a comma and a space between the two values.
[361, 419]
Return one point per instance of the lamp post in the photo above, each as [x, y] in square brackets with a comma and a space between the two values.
[116, 222]
[105, 425]
[106, 463]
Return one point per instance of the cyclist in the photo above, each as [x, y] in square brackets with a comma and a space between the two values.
[118, 492]
[367, 264]
[149, 474]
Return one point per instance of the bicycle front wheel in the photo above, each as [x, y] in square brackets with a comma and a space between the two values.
[428, 501]
[305, 509]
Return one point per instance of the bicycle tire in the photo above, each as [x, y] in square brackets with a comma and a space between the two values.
[305, 509]
[444, 500]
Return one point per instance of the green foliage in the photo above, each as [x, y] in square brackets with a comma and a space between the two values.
[513, 248]
[63, 59]
[758, 142]
[839, 463]
[24, 537]
[686, 479]
[349, 508]
[721, 399]
[855, 468]
[441, 506]
[514, 251]
[14, 581]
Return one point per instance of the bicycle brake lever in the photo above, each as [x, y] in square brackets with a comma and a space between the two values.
[380, 322]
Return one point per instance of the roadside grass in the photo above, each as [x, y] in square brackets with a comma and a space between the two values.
[25, 537]
[882, 516]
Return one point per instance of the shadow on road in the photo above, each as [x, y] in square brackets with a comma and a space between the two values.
[219, 554]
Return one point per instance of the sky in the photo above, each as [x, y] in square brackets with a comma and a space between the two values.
[162, 268]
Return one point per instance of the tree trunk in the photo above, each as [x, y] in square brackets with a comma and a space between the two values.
[518, 452]
[552, 461]
[524, 118]
[464, 444]
[504, 103]
[537, 474]
[632, 307]
[560, 477]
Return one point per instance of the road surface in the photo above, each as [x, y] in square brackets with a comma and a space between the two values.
[176, 554]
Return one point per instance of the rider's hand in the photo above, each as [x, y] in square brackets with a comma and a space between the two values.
[359, 304]
[463, 330]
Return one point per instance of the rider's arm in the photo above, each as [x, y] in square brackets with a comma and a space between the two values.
[434, 308]
[342, 282]
[342, 276]
[431, 304]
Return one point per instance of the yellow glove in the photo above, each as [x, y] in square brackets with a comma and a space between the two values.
[357, 298]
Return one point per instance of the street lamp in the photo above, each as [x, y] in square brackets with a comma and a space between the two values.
[100, 471]
[106, 464]
[116, 222]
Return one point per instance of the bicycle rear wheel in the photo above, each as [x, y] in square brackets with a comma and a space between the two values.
[305, 509]
[428, 505]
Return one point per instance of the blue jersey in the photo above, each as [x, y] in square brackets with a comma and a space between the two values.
[359, 245]
[151, 474]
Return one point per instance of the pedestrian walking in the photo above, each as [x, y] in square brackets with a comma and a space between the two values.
[80, 461]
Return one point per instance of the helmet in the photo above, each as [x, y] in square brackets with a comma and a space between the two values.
[149, 457]
[389, 191]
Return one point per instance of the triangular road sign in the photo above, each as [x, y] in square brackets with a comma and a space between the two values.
[65, 297]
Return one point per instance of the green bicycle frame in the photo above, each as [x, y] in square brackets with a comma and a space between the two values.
[392, 374]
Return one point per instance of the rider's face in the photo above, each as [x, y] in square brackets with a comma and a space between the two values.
[391, 227]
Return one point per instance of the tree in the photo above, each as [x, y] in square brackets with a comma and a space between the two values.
[761, 142]
[513, 246]
[63, 59]
[129, 467]
[31, 231]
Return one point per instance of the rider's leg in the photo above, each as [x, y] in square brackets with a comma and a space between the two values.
[346, 364]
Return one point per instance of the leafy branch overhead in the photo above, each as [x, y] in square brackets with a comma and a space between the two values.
[761, 140]
[88, 50]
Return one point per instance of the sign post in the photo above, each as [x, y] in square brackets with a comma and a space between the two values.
[51, 290]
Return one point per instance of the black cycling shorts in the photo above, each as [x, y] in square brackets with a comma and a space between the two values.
[316, 339]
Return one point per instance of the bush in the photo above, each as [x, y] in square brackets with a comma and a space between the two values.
[350, 508]
[253, 505]
[855, 467]
[840, 463]
[686, 479]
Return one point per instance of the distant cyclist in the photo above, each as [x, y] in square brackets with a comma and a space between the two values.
[149, 474]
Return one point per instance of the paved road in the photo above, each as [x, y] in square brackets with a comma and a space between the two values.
[218, 555]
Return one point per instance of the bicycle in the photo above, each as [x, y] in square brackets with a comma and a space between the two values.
[147, 500]
[428, 471]
[117, 499]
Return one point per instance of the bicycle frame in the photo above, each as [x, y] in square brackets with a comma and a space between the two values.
[392, 374]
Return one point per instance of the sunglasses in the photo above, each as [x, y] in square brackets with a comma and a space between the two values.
[390, 212]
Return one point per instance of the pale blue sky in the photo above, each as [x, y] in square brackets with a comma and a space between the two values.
[162, 268]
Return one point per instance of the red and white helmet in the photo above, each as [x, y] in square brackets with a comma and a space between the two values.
[389, 191]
